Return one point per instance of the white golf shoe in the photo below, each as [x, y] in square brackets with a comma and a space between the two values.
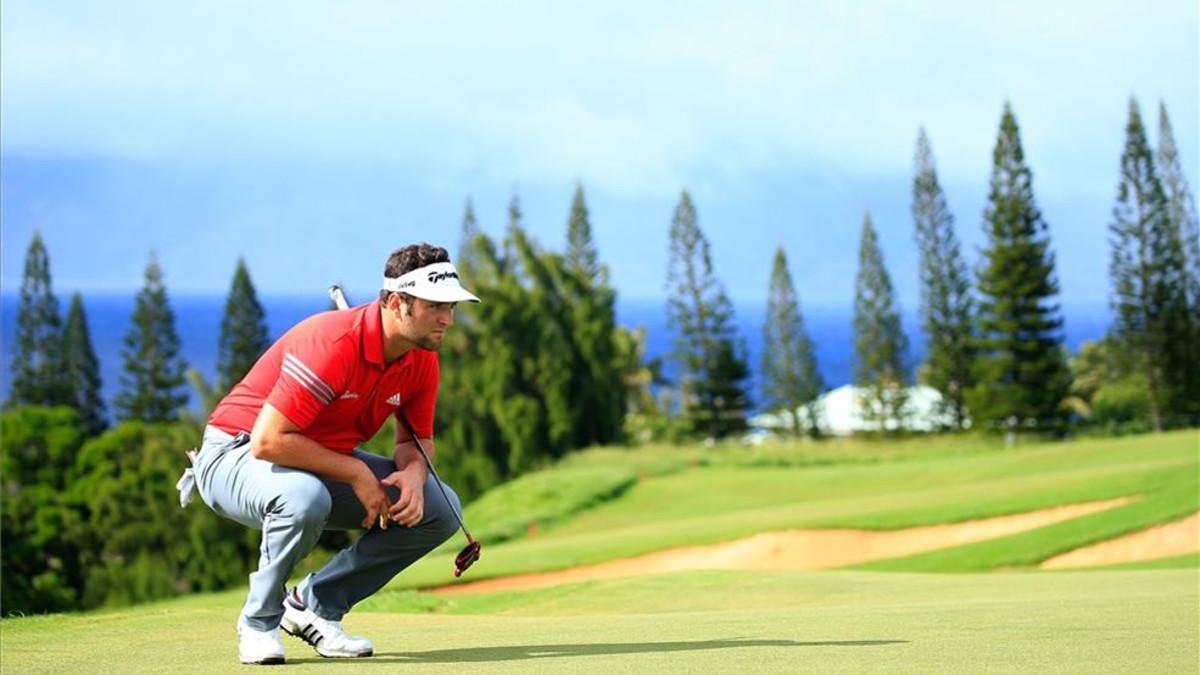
[260, 647]
[327, 637]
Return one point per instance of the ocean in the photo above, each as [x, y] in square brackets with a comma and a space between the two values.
[198, 322]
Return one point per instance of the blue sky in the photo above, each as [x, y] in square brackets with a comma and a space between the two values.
[312, 138]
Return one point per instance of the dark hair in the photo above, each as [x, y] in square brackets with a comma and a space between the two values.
[409, 258]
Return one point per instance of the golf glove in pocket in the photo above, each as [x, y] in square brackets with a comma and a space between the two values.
[187, 482]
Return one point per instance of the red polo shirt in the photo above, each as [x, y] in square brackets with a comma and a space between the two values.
[328, 377]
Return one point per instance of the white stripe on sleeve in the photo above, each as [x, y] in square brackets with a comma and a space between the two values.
[309, 380]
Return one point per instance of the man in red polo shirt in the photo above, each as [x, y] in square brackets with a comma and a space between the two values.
[279, 454]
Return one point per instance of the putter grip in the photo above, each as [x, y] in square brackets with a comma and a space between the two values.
[339, 297]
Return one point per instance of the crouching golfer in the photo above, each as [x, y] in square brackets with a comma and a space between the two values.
[279, 455]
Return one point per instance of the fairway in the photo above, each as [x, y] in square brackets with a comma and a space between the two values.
[733, 493]
[1097, 622]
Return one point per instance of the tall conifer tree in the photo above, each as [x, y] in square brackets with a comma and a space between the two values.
[1181, 210]
[152, 387]
[581, 250]
[880, 346]
[591, 301]
[1148, 272]
[465, 259]
[710, 359]
[82, 369]
[477, 451]
[945, 289]
[37, 367]
[1181, 207]
[243, 330]
[790, 379]
[1020, 369]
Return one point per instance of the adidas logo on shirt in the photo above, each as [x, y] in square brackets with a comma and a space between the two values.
[394, 399]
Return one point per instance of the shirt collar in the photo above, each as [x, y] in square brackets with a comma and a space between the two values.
[372, 334]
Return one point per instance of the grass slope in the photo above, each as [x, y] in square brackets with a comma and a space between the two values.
[693, 503]
[1096, 622]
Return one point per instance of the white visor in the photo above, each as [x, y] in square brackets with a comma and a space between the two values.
[436, 283]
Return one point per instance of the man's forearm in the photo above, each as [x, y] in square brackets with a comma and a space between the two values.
[295, 450]
[406, 454]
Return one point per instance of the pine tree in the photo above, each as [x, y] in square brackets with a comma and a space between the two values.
[1181, 207]
[152, 386]
[523, 395]
[514, 225]
[581, 250]
[243, 331]
[945, 289]
[1147, 270]
[1181, 211]
[37, 368]
[710, 359]
[1020, 368]
[591, 302]
[465, 260]
[553, 364]
[790, 379]
[82, 369]
[879, 341]
[477, 451]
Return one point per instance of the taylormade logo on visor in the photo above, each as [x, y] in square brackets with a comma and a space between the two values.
[437, 283]
[435, 277]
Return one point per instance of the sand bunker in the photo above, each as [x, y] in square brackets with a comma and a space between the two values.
[795, 550]
[1178, 538]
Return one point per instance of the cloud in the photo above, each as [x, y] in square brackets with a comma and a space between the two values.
[633, 98]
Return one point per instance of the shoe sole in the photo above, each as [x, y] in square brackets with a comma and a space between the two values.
[346, 656]
[268, 661]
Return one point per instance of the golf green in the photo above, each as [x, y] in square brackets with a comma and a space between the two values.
[1107, 621]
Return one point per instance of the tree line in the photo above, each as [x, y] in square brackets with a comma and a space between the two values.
[90, 514]
[994, 350]
[541, 368]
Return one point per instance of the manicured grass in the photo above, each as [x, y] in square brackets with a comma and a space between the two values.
[701, 505]
[924, 487]
[1030, 548]
[1095, 622]
[543, 498]
[1179, 561]
[611, 503]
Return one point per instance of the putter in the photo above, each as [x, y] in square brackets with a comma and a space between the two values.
[470, 552]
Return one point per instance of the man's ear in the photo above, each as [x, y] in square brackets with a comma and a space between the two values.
[396, 303]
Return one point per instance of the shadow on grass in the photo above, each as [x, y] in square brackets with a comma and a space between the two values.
[520, 652]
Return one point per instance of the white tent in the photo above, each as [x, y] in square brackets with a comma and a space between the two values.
[839, 412]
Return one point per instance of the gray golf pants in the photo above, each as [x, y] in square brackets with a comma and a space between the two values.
[292, 508]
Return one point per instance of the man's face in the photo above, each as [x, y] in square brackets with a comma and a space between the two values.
[422, 322]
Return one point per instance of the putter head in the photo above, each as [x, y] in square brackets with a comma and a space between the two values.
[466, 558]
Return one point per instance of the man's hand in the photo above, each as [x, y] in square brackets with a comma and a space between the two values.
[370, 492]
[409, 509]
